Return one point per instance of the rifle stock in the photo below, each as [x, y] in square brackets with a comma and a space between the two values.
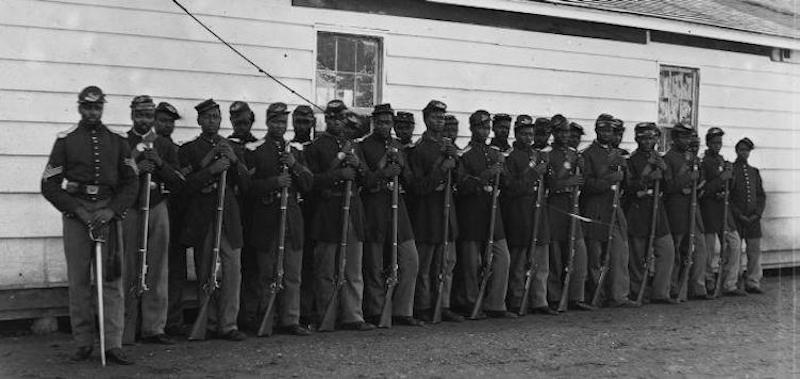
[143, 236]
[573, 226]
[442, 270]
[650, 242]
[532, 265]
[689, 259]
[723, 240]
[488, 256]
[328, 322]
[198, 332]
[607, 259]
[391, 279]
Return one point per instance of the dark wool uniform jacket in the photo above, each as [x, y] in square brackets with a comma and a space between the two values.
[201, 194]
[518, 197]
[427, 189]
[473, 199]
[238, 142]
[712, 203]
[639, 210]
[563, 162]
[90, 156]
[377, 194]
[597, 196]
[747, 198]
[167, 178]
[263, 161]
[328, 192]
[677, 194]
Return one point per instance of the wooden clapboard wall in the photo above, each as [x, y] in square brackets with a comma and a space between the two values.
[51, 49]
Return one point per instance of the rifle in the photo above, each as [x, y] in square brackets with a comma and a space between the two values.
[723, 241]
[99, 240]
[537, 216]
[265, 329]
[607, 259]
[391, 278]
[573, 226]
[329, 318]
[488, 256]
[198, 332]
[448, 199]
[141, 286]
[688, 260]
[651, 238]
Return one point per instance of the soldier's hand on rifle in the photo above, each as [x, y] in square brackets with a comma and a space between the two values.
[219, 165]
[726, 174]
[82, 214]
[693, 174]
[101, 217]
[615, 176]
[656, 175]
[346, 173]
[352, 160]
[152, 156]
[448, 164]
[284, 180]
[288, 159]
[224, 149]
[146, 166]
[391, 170]
[541, 168]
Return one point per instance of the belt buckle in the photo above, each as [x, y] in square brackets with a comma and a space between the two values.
[92, 189]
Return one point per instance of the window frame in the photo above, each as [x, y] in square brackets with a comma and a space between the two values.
[665, 140]
[379, 75]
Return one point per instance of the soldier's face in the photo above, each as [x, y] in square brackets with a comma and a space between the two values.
[561, 136]
[574, 139]
[276, 126]
[91, 112]
[541, 137]
[382, 124]
[241, 122]
[682, 141]
[451, 131]
[742, 153]
[434, 121]
[616, 139]
[715, 144]
[480, 131]
[404, 130]
[605, 135]
[524, 135]
[143, 119]
[646, 143]
[501, 128]
[302, 126]
[209, 121]
[164, 124]
[334, 125]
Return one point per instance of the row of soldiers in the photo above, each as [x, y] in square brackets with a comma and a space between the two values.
[355, 228]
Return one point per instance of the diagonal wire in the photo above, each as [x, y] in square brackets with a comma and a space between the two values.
[268, 75]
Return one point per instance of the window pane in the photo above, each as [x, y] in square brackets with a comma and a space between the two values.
[344, 88]
[345, 54]
[663, 112]
[367, 57]
[326, 87]
[326, 51]
[365, 91]
[685, 112]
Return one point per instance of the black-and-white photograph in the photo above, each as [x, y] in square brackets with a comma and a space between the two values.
[400, 188]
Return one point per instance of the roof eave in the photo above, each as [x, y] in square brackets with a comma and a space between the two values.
[635, 20]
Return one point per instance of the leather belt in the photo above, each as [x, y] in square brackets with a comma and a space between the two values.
[94, 190]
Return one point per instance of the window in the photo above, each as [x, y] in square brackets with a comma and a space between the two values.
[677, 99]
[348, 68]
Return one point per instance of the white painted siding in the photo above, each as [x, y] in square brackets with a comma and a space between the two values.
[50, 50]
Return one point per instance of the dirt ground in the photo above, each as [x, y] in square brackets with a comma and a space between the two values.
[754, 336]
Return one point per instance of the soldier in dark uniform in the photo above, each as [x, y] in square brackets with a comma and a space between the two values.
[716, 172]
[384, 161]
[541, 133]
[203, 160]
[645, 167]
[575, 134]
[527, 168]
[404, 129]
[155, 155]
[564, 160]
[430, 160]
[166, 115]
[479, 166]
[604, 170]
[677, 199]
[267, 158]
[747, 206]
[333, 159]
[91, 179]
[303, 124]
[501, 126]
[242, 119]
[451, 129]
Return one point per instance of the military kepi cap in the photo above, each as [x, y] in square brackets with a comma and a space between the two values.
[206, 106]
[559, 122]
[434, 106]
[501, 117]
[406, 117]
[576, 127]
[478, 117]
[91, 94]
[542, 124]
[746, 142]
[383, 109]
[523, 120]
[239, 107]
[335, 107]
[450, 120]
[303, 112]
[276, 109]
[604, 120]
[143, 102]
[714, 132]
[646, 129]
[167, 108]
